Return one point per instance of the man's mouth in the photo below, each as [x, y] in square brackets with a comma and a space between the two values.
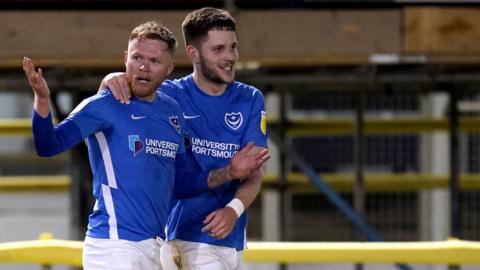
[142, 80]
[227, 67]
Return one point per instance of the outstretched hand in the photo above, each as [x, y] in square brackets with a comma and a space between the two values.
[248, 160]
[35, 79]
[219, 224]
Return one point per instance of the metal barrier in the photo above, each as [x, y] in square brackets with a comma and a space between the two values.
[451, 252]
[36, 183]
[313, 127]
[298, 183]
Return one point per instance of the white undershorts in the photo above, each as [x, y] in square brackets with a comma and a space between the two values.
[108, 254]
[201, 256]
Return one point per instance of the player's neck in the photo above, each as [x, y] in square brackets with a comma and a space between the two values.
[149, 98]
[207, 86]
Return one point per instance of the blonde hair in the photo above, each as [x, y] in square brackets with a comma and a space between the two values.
[155, 30]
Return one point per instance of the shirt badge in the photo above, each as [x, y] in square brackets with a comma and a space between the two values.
[174, 122]
[234, 120]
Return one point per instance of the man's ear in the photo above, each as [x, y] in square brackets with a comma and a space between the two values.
[125, 56]
[171, 67]
[192, 54]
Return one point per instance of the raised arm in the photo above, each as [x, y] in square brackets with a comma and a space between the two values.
[41, 103]
[49, 140]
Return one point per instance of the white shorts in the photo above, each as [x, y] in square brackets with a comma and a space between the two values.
[108, 254]
[201, 256]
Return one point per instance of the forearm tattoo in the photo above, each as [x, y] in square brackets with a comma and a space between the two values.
[218, 177]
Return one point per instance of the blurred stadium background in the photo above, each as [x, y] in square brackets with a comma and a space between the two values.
[379, 97]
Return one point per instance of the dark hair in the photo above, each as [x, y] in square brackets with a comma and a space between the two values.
[197, 23]
[155, 30]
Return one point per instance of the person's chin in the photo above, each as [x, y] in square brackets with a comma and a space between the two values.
[142, 91]
[228, 78]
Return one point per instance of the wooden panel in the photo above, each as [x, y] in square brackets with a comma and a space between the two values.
[86, 38]
[447, 30]
[308, 34]
[75, 38]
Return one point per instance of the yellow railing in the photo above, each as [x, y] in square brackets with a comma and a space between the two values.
[44, 252]
[16, 127]
[452, 252]
[377, 182]
[317, 127]
[297, 182]
[401, 125]
[37, 183]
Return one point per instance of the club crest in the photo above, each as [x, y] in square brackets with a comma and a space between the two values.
[234, 120]
[175, 122]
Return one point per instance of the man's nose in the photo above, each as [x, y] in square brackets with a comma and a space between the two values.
[231, 55]
[143, 66]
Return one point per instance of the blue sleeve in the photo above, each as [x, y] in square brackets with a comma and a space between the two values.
[256, 130]
[187, 183]
[90, 116]
[170, 88]
[50, 140]
[94, 113]
[183, 134]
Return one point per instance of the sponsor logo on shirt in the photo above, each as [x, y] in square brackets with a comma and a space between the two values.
[135, 144]
[152, 146]
[234, 120]
[213, 149]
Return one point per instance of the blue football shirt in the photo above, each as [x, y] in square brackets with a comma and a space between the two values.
[216, 128]
[133, 151]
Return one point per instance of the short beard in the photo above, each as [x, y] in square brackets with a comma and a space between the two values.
[209, 73]
[138, 94]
